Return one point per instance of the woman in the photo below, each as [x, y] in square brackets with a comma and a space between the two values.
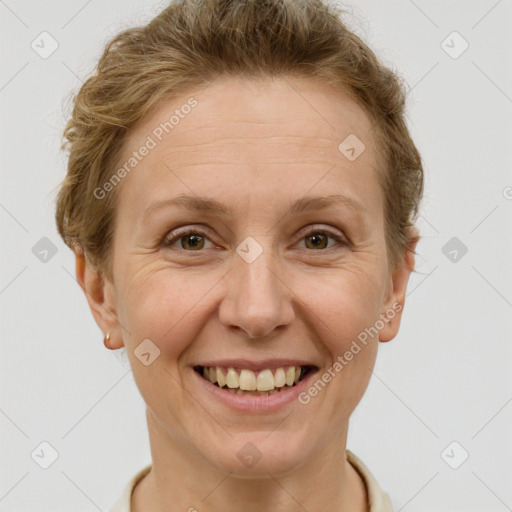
[240, 199]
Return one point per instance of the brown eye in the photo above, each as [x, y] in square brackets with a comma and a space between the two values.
[190, 240]
[319, 239]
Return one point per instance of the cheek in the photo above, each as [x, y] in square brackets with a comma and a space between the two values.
[343, 307]
[345, 302]
[165, 306]
[347, 306]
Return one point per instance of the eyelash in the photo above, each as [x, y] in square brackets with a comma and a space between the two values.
[169, 240]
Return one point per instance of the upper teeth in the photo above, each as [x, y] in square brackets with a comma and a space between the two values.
[247, 380]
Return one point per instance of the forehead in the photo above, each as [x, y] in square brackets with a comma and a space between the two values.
[264, 107]
[259, 136]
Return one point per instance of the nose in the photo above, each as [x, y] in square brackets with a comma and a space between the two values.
[258, 298]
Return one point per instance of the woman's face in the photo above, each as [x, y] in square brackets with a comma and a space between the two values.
[284, 264]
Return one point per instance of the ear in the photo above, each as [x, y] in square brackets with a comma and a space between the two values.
[391, 313]
[100, 295]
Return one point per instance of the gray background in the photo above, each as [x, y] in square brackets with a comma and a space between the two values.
[445, 378]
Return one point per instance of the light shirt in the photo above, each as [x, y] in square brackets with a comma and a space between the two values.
[378, 500]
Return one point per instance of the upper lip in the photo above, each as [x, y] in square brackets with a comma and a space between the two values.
[256, 365]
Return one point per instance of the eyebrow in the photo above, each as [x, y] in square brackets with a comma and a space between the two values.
[209, 205]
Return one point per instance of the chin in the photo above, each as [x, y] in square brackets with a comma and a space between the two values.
[259, 454]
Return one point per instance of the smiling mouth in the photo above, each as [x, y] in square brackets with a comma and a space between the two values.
[246, 382]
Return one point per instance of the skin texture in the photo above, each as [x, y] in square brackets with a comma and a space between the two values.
[254, 146]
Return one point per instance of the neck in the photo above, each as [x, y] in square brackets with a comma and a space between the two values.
[180, 480]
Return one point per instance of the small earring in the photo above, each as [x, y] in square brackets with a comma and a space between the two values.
[106, 341]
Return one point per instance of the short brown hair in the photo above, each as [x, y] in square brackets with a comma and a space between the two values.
[189, 44]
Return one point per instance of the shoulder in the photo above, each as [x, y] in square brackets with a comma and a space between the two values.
[379, 501]
[124, 501]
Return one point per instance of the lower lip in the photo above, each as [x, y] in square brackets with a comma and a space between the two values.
[256, 404]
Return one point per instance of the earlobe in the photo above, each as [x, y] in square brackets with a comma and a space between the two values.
[394, 305]
[99, 293]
